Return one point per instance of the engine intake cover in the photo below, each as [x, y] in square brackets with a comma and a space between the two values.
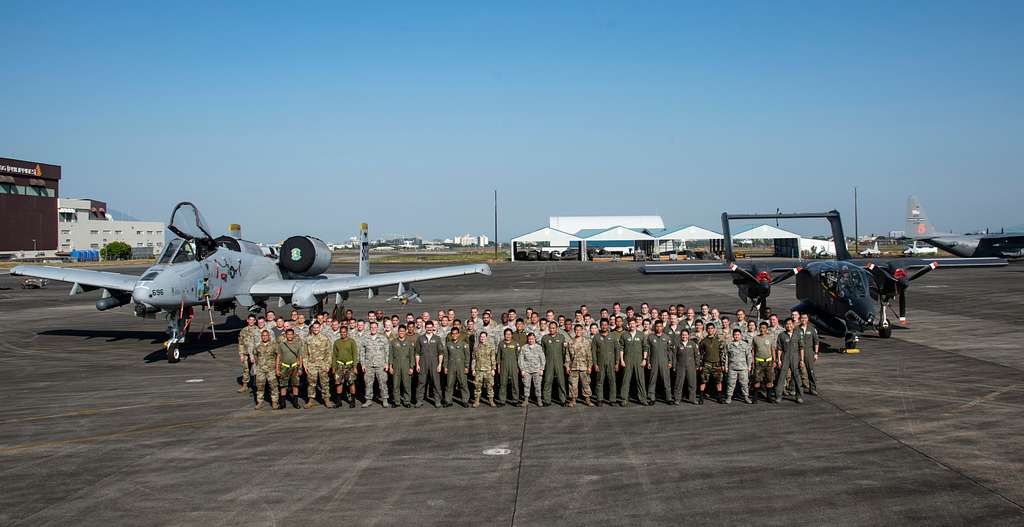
[304, 255]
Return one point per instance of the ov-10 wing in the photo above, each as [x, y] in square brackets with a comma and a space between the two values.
[304, 293]
[85, 279]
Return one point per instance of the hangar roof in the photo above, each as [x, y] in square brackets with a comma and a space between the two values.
[765, 232]
[579, 223]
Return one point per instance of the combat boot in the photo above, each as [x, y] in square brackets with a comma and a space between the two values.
[586, 402]
[476, 401]
[311, 402]
[571, 403]
[244, 388]
[259, 406]
[351, 401]
[490, 401]
[366, 403]
[333, 402]
[275, 405]
[295, 401]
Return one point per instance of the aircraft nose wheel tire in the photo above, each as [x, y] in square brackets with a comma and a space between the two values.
[173, 353]
[884, 332]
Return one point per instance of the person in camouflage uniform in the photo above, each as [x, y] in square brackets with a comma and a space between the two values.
[763, 349]
[713, 365]
[265, 358]
[290, 353]
[605, 362]
[300, 327]
[456, 367]
[740, 360]
[403, 362]
[247, 337]
[508, 366]
[317, 365]
[484, 365]
[531, 366]
[345, 363]
[579, 362]
[374, 356]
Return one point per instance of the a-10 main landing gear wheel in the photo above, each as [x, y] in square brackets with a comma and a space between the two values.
[885, 331]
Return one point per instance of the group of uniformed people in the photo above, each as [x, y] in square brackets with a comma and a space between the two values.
[558, 359]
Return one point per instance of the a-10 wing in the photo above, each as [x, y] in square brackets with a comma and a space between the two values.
[86, 279]
[304, 293]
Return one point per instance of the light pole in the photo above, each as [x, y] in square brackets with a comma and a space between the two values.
[33, 246]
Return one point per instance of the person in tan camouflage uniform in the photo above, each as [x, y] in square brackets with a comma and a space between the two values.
[579, 362]
[265, 357]
[317, 365]
[484, 362]
[246, 341]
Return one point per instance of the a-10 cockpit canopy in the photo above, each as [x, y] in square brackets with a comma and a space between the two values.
[188, 224]
[177, 251]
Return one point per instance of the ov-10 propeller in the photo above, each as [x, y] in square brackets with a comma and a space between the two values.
[755, 284]
[892, 282]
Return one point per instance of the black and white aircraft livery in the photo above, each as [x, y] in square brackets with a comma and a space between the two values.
[198, 269]
[1001, 245]
[843, 297]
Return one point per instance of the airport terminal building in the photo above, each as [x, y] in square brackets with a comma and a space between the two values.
[28, 206]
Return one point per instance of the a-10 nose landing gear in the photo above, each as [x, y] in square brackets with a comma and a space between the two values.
[177, 328]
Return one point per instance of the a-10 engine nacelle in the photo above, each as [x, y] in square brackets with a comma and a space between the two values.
[304, 255]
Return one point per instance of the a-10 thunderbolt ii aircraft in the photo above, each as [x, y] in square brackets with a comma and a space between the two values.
[843, 297]
[227, 271]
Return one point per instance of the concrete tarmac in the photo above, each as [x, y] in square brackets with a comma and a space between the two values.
[921, 429]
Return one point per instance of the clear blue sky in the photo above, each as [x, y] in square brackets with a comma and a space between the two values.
[406, 115]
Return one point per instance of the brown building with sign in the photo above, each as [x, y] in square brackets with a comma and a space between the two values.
[28, 206]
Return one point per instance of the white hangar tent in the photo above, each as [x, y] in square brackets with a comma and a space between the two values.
[675, 239]
[620, 239]
[545, 237]
[787, 244]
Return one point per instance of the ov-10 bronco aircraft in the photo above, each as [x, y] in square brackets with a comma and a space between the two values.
[196, 268]
[843, 297]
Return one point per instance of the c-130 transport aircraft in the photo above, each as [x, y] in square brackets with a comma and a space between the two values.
[234, 272]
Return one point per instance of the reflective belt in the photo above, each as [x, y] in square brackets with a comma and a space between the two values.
[286, 365]
[759, 359]
[345, 363]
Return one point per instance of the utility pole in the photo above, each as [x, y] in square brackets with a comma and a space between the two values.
[856, 224]
[496, 243]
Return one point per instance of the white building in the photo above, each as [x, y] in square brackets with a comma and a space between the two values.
[85, 224]
[468, 240]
